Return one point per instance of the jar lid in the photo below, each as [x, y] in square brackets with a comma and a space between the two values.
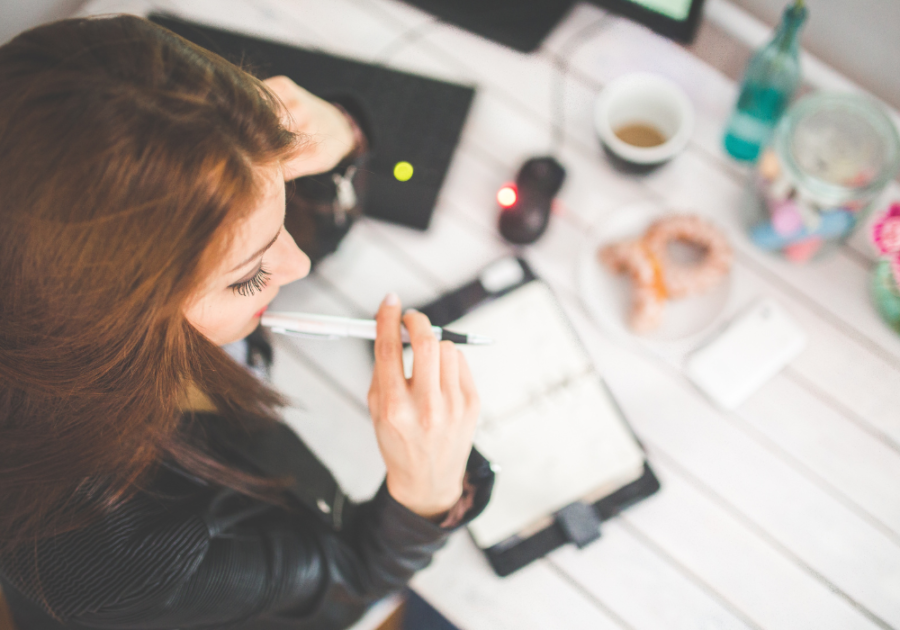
[839, 146]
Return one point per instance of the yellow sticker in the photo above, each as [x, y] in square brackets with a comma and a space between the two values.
[403, 171]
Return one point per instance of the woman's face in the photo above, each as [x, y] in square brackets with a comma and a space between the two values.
[262, 257]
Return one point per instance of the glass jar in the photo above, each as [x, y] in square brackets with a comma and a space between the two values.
[886, 294]
[831, 155]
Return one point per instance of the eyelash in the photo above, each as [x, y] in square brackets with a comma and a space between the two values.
[257, 283]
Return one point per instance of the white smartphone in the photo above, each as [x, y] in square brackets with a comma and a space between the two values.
[751, 349]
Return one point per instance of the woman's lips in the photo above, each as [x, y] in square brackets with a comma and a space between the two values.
[261, 311]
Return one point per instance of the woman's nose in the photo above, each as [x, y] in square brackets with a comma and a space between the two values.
[293, 264]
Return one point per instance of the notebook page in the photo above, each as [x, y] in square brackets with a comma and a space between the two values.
[534, 350]
[547, 421]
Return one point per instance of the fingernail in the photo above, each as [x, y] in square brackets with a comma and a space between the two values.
[391, 299]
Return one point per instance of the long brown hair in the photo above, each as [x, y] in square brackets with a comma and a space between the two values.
[126, 156]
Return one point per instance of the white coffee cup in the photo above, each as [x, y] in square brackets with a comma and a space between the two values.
[644, 99]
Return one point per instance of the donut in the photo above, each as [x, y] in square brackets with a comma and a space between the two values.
[649, 293]
[686, 280]
[655, 277]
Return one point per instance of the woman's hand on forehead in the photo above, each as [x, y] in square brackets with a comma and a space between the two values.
[329, 136]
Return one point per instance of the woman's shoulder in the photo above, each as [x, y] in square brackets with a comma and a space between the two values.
[150, 541]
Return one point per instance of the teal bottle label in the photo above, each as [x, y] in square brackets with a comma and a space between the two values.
[746, 134]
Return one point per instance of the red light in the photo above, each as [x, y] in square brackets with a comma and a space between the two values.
[507, 196]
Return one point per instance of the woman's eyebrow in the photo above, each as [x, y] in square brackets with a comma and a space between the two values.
[260, 251]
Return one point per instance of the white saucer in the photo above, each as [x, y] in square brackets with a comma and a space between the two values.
[608, 296]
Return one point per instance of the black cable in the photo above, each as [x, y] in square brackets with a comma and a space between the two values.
[558, 85]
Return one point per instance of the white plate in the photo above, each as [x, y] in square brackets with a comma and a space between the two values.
[607, 296]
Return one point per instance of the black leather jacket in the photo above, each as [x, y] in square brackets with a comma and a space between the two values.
[184, 554]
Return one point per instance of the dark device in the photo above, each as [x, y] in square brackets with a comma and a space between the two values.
[519, 24]
[523, 24]
[526, 218]
[678, 21]
[410, 119]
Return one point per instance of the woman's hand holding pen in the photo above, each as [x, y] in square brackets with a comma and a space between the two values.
[329, 134]
[424, 425]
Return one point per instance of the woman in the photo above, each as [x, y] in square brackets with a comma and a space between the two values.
[144, 479]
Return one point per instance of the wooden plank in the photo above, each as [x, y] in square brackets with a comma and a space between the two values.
[721, 550]
[858, 465]
[644, 586]
[449, 252]
[395, 13]
[463, 587]
[336, 26]
[364, 275]
[835, 545]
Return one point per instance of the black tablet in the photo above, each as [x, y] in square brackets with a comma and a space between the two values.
[523, 24]
[677, 19]
[411, 119]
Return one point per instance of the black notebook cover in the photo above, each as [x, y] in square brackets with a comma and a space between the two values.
[410, 118]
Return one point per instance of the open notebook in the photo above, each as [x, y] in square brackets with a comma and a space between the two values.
[548, 422]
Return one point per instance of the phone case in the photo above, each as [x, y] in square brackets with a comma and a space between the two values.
[748, 352]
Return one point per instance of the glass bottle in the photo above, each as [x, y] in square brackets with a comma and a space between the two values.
[771, 78]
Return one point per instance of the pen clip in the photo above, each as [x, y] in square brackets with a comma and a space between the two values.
[305, 335]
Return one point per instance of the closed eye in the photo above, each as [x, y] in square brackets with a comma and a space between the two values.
[257, 282]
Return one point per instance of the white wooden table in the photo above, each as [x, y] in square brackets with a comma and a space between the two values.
[784, 514]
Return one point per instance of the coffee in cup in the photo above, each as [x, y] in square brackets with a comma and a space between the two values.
[640, 135]
[643, 120]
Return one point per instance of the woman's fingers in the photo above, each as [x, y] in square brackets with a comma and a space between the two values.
[467, 386]
[450, 387]
[373, 398]
[426, 376]
[291, 110]
[388, 348]
[424, 426]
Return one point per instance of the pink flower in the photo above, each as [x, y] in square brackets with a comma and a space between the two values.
[886, 231]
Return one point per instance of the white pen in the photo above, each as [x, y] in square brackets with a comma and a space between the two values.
[331, 327]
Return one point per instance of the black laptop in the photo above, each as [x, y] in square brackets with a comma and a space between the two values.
[410, 118]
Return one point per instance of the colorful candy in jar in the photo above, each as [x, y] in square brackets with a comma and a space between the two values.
[798, 224]
[831, 156]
